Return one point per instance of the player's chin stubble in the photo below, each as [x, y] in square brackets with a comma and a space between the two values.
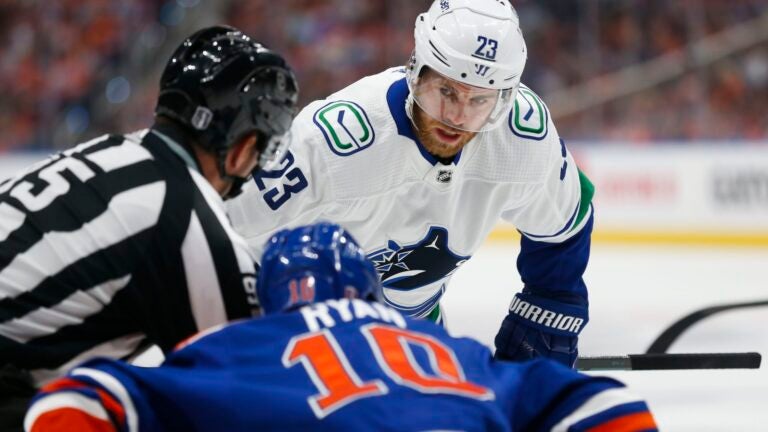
[425, 129]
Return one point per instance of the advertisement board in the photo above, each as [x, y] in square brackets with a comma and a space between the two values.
[677, 192]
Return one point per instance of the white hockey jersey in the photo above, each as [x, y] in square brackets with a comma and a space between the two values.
[356, 161]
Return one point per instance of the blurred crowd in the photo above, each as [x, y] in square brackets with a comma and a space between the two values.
[574, 42]
[56, 59]
[72, 69]
[332, 43]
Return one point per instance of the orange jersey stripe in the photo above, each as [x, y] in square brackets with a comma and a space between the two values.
[61, 383]
[70, 419]
[107, 401]
[628, 423]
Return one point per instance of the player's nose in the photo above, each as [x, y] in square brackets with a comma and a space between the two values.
[455, 115]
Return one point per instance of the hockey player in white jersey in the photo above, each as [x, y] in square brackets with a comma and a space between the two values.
[421, 162]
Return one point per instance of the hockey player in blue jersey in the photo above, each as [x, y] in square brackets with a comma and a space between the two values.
[329, 357]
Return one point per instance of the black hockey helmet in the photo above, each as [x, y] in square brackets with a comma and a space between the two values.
[222, 85]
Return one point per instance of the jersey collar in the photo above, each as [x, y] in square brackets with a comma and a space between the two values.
[178, 149]
[396, 97]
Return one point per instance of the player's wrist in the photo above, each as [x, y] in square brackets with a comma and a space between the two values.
[548, 315]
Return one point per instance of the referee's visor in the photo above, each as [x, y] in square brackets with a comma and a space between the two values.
[272, 150]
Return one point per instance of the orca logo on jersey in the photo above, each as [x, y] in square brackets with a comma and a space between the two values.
[404, 268]
[345, 126]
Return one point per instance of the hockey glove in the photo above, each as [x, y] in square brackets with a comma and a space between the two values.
[540, 327]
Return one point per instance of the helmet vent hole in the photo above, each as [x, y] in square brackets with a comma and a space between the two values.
[463, 75]
[491, 82]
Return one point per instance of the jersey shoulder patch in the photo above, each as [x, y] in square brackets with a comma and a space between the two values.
[529, 117]
[345, 126]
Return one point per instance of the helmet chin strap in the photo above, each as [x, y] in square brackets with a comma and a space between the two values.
[237, 186]
[237, 181]
[409, 102]
[409, 107]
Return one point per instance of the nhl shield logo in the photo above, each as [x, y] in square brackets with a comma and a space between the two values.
[444, 176]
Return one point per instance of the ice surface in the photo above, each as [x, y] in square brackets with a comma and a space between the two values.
[635, 293]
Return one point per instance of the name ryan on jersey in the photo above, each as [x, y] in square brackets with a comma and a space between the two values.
[327, 314]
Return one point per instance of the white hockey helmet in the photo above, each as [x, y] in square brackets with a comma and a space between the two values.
[475, 46]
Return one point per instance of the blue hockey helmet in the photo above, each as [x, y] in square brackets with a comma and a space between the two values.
[314, 263]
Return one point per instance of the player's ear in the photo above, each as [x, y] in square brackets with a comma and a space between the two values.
[243, 156]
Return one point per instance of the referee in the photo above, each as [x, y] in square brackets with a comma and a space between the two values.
[123, 242]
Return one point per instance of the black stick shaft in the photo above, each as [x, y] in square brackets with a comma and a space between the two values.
[747, 360]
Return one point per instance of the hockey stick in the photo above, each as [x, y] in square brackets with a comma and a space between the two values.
[663, 361]
[673, 332]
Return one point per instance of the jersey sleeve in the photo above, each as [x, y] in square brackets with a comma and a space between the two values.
[559, 399]
[298, 192]
[94, 397]
[556, 226]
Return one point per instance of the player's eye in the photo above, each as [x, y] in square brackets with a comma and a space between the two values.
[447, 92]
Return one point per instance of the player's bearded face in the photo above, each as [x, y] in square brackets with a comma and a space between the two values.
[447, 114]
[438, 138]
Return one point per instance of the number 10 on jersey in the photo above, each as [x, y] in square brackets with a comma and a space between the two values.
[331, 372]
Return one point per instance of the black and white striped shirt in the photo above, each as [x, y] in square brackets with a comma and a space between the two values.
[112, 245]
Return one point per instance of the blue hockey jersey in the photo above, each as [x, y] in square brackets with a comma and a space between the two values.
[332, 366]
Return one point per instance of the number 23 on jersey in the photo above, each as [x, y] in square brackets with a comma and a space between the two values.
[294, 182]
[338, 384]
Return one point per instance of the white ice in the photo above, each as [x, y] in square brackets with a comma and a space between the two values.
[635, 293]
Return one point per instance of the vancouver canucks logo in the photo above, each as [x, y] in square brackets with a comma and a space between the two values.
[529, 117]
[408, 267]
[345, 126]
